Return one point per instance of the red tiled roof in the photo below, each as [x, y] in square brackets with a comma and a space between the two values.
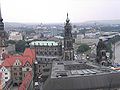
[28, 56]
[26, 81]
[29, 52]
[27, 59]
[8, 62]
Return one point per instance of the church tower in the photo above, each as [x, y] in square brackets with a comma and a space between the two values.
[3, 37]
[68, 41]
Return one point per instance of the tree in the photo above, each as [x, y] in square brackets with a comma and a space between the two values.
[20, 46]
[83, 48]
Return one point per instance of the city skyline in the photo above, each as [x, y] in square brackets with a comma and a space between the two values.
[54, 11]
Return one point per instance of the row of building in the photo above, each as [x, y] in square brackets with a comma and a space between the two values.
[15, 67]
[37, 58]
[52, 66]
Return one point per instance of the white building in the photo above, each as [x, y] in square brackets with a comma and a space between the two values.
[5, 73]
[16, 36]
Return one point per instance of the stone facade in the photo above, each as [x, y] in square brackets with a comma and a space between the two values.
[68, 42]
[46, 53]
[17, 72]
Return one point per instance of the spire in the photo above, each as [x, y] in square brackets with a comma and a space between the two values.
[0, 14]
[67, 15]
[67, 20]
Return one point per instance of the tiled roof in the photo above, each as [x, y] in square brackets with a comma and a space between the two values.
[29, 52]
[26, 81]
[28, 56]
[8, 62]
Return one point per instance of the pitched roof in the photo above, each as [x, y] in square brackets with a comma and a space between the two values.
[8, 62]
[28, 56]
[26, 81]
[29, 52]
[27, 59]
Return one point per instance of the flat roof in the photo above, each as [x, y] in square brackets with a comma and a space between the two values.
[44, 43]
[58, 69]
[81, 79]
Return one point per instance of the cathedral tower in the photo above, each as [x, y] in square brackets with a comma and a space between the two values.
[68, 41]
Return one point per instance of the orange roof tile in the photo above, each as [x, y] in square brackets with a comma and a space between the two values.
[28, 56]
[26, 81]
[8, 62]
[29, 52]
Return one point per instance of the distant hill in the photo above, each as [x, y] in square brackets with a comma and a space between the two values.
[104, 22]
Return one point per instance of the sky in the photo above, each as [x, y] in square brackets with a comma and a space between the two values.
[54, 11]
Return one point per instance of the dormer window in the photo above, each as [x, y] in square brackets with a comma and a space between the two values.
[27, 69]
[27, 64]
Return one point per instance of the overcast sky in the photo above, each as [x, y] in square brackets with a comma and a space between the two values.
[52, 11]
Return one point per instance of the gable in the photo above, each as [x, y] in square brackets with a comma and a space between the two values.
[17, 62]
[27, 64]
[3, 69]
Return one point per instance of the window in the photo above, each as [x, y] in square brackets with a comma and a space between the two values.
[45, 59]
[27, 69]
[14, 68]
[45, 53]
[55, 53]
[49, 53]
[15, 74]
[20, 78]
[6, 77]
[6, 73]
[3, 50]
[3, 69]
[39, 70]
[20, 73]
[27, 64]
[16, 64]
[39, 66]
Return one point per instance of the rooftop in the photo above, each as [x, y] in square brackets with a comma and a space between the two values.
[26, 81]
[44, 43]
[87, 78]
[74, 69]
[28, 56]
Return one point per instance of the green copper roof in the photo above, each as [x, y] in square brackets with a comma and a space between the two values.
[44, 43]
